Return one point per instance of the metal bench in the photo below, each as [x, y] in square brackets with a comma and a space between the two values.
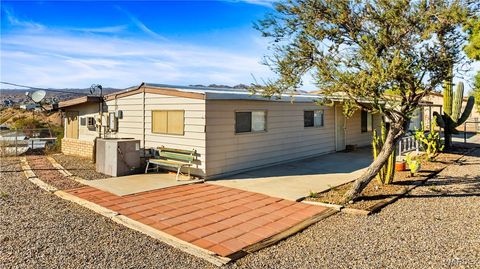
[170, 157]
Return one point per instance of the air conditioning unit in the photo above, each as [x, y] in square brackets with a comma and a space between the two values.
[91, 122]
[118, 157]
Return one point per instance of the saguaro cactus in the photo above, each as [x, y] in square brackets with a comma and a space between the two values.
[457, 102]
[386, 174]
[452, 106]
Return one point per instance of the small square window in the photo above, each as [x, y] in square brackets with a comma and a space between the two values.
[169, 122]
[313, 118]
[83, 121]
[250, 121]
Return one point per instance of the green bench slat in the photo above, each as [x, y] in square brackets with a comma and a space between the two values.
[190, 152]
[176, 156]
[168, 163]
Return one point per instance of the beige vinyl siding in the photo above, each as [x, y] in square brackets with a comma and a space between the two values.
[84, 111]
[194, 123]
[353, 130]
[194, 126]
[285, 138]
[131, 124]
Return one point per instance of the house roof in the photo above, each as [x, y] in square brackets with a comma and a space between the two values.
[79, 100]
[209, 93]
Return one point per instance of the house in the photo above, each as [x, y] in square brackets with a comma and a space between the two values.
[231, 130]
[473, 121]
[29, 106]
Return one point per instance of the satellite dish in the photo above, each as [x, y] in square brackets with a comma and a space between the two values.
[37, 96]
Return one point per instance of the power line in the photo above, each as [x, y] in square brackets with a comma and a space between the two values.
[35, 88]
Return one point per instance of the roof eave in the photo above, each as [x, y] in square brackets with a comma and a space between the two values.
[79, 101]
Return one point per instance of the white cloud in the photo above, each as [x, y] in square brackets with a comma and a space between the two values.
[105, 30]
[140, 25]
[265, 3]
[60, 58]
[16, 22]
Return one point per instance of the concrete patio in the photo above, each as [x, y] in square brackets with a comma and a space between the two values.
[132, 184]
[295, 180]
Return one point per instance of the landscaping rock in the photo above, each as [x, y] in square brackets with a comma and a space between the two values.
[80, 167]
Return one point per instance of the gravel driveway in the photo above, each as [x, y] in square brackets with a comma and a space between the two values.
[437, 226]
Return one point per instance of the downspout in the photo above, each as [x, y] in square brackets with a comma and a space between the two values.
[143, 120]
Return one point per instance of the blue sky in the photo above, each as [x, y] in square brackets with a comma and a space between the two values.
[123, 43]
[119, 44]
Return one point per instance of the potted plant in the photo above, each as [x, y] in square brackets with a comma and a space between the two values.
[400, 165]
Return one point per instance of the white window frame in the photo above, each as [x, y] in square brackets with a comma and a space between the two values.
[315, 111]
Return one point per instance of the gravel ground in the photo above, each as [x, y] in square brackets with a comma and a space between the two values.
[437, 226]
[80, 167]
[39, 230]
[49, 174]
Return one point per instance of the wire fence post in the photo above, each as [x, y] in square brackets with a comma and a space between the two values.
[16, 142]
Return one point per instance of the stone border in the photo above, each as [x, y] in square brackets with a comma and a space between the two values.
[65, 172]
[32, 177]
[334, 206]
[123, 220]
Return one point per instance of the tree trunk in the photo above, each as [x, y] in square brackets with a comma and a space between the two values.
[448, 139]
[388, 147]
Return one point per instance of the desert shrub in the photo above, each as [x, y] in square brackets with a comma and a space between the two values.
[432, 143]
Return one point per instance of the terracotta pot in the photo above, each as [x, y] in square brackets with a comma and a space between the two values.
[400, 166]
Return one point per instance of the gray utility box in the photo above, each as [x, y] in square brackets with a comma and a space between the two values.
[117, 157]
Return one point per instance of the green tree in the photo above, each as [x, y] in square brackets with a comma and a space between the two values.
[476, 90]
[472, 49]
[361, 49]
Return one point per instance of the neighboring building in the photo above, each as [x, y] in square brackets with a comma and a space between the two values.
[230, 129]
[30, 106]
[7, 103]
[473, 121]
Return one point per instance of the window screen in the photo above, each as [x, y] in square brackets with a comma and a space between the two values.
[318, 118]
[308, 118]
[243, 122]
[258, 121]
[313, 118]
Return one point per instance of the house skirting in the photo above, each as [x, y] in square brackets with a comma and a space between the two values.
[77, 147]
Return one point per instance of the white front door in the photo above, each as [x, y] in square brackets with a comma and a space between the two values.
[339, 128]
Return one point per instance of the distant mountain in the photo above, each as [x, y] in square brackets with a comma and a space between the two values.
[18, 95]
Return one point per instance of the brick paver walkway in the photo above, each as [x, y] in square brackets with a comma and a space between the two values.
[217, 218]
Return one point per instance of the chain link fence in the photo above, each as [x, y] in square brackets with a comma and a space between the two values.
[16, 142]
